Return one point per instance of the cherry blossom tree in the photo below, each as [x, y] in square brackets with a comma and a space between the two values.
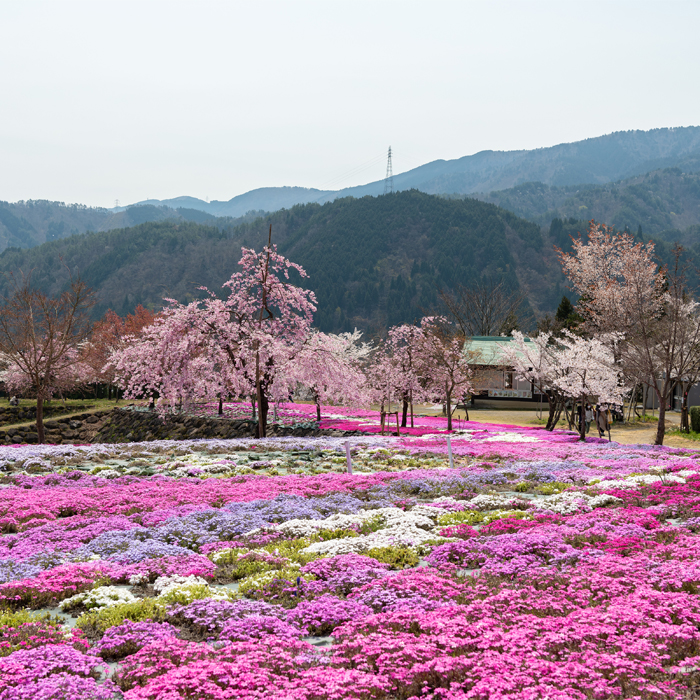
[444, 363]
[40, 337]
[624, 290]
[384, 381]
[330, 368]
[617, 278]
[403, 345]
[665, 351]
[535, 360]
[171, 359]
[567, 367]
[240, 345]
[587, 370]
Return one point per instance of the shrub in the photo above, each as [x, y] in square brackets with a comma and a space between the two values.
[292, 550]
[38, 633]
[398, 557]
[551, 488]
[182, 593]
[376, 522]
[126, 639]
[235, 564]
[95, 624]
[468, 517]
[695, 419]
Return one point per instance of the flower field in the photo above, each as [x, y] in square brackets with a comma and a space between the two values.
[536, 567]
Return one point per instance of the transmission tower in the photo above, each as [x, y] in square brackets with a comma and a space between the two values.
[389, 179]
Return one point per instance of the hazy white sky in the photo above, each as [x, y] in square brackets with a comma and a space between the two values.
[104, 100]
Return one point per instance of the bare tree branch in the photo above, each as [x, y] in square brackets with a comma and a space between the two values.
[484, 308]
[40, 335]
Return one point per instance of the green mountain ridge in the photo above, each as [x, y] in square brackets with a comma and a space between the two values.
[657, 201]
[372, 262]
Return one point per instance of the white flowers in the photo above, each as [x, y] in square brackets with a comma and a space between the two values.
[166, 584]
[636, 480]
[493, 501]
[186, 588]
[102, 597]
[570, 502]
[477, 436]
[397, 527]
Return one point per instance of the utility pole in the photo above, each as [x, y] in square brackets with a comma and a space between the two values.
[389, 179]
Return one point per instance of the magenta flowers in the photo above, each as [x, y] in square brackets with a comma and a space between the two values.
[550, 568]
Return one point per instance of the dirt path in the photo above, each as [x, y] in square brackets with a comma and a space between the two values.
[632, 434]
[47, 419]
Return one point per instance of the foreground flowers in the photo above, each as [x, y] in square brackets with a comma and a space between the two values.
[565, 572]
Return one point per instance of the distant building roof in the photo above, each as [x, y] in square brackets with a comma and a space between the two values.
[486, 349]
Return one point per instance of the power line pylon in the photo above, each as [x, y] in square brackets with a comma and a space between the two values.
[389, 179]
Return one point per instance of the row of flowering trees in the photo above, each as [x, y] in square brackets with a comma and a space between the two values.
[50, 347]
[639, 328]
[259, 342]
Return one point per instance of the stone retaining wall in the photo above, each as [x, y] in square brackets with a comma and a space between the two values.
[125, 425]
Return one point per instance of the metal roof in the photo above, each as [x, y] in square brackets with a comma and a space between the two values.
[486, 349]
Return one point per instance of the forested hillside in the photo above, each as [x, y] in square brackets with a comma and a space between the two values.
[372, 262]
[656, 201]
[31, 223]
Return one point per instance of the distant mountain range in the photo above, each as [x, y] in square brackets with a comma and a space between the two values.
[31, 223]
[594, 161]
[377, 260]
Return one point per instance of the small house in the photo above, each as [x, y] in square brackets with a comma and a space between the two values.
[495, 384]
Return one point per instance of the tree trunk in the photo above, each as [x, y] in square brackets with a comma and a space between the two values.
[221, 405]
[633, 404]
[263, 408]
[582, 421]
[318, 409]
[40, 418]
[261, 431]
[661, 428]
[570, 414]
[404, 416]
[556, 407]
[552, 406]
[253, 402]
[448, 404]
[685, 423]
